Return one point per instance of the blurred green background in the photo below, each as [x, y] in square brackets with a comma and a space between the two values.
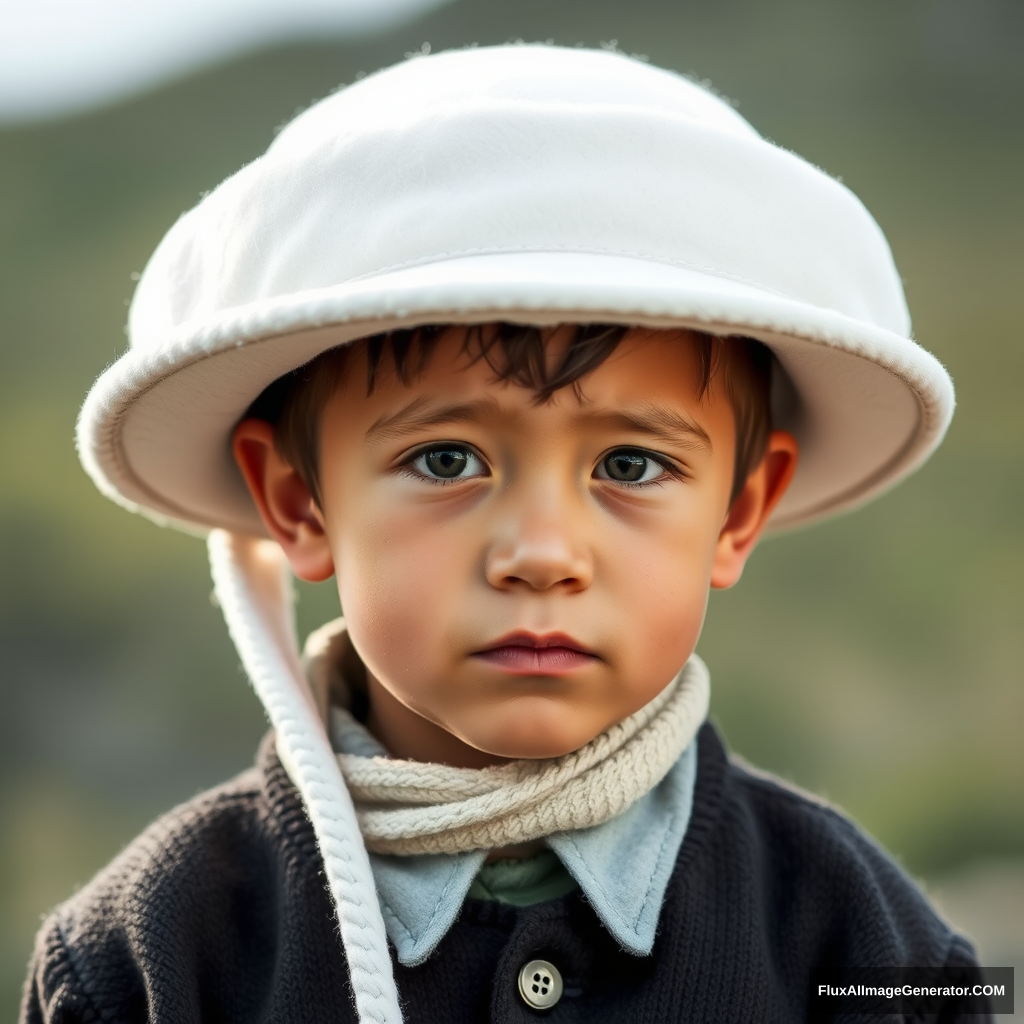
[878, 659]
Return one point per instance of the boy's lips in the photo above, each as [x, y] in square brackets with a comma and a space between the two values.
[523, 653]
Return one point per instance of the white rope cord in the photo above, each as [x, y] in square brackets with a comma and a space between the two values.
[252, 583]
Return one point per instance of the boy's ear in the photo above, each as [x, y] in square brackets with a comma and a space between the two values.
[283, 500]
[748, 514]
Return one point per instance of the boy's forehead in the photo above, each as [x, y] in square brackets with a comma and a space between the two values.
[650, 382]
[450, 363]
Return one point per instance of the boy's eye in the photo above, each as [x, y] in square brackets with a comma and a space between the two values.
[448, 462]
[629, 466]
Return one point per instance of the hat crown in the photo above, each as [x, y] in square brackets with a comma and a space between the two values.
[494, 76]
[510, 150]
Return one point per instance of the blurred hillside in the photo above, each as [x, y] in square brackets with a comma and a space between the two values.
[878, 659]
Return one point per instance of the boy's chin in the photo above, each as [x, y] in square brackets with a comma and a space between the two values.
[525, 741]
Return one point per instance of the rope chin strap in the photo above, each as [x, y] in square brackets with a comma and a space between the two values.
[252, 582]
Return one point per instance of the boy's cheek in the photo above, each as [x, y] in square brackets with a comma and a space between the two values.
[396, 594]
[659, 599]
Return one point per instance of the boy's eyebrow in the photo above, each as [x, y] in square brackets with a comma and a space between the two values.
[419, 413]
[645, 418]
[663, 424]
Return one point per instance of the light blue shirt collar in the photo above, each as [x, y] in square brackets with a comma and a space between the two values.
[623, 879]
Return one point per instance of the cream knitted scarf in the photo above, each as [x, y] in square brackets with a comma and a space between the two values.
[407, 807]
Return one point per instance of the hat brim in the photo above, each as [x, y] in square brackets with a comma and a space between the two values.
[867, 405]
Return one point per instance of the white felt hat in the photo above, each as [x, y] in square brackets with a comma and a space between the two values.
[524, 183]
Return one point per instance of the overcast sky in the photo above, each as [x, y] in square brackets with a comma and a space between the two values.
[61, 55]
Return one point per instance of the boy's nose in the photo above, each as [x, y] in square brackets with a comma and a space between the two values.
[540, 551]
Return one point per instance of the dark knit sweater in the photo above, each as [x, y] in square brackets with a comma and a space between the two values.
[219, 912]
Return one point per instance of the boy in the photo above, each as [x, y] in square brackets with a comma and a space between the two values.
[526, 347]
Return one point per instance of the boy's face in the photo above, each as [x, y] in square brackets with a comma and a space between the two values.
[518, 577]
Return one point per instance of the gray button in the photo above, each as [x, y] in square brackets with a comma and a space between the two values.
[540, 984]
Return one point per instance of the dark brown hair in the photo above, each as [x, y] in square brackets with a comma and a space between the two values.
[293, 404]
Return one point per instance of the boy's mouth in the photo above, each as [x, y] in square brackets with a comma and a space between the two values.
[523, 653]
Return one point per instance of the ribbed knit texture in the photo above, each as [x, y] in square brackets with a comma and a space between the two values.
[219, 913]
